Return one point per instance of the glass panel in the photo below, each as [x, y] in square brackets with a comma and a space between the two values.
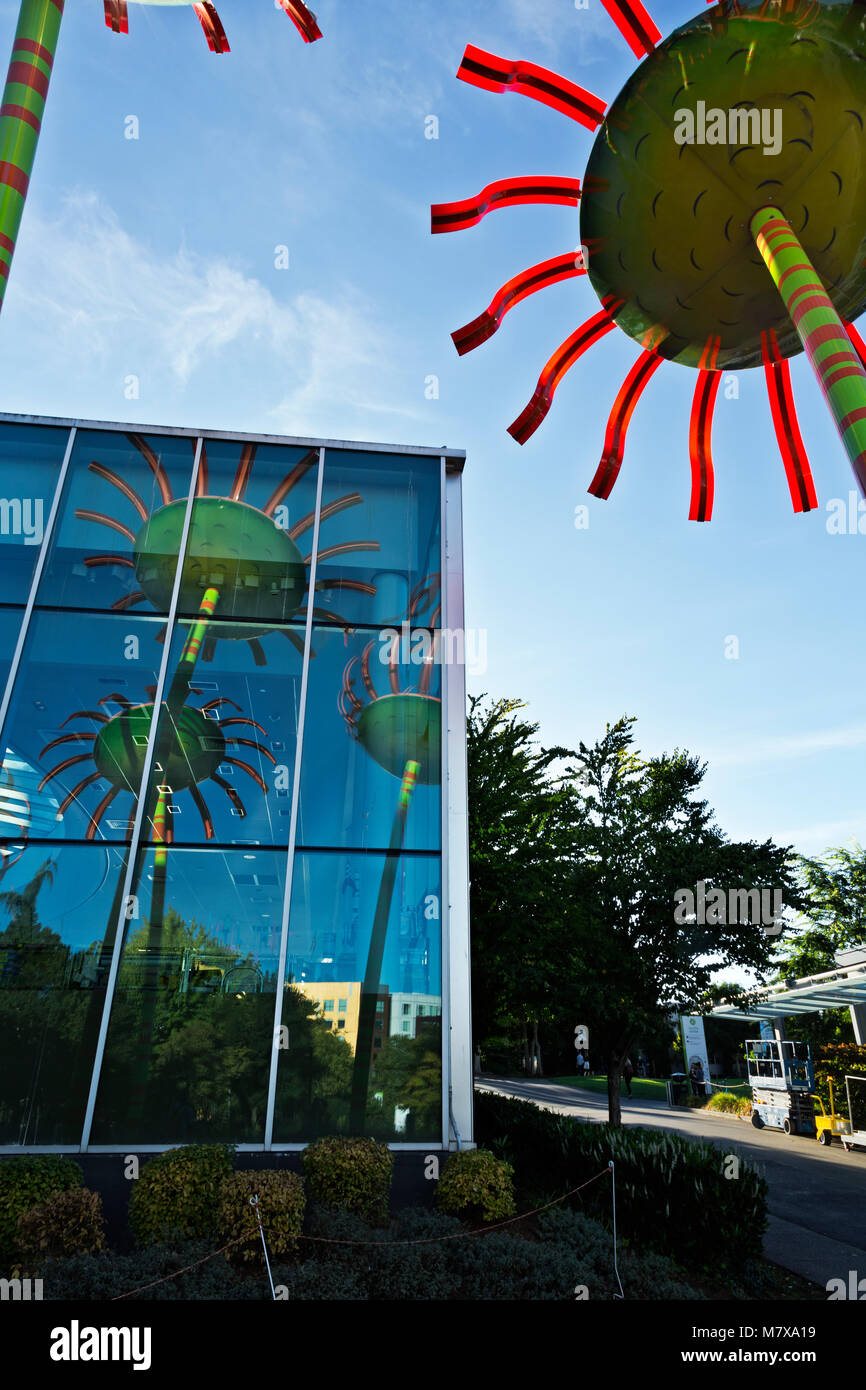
[120, 523]
[189, 1041]
[58, 914]
[361, 733]
[379, 551]
[340, 905]
[225, 757]
[250, 536]
[30, 459]
[76, 732]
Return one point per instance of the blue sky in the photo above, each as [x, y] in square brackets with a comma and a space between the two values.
[155, 258]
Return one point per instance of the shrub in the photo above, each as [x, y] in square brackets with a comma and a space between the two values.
[672, 1195]
[353, 1174]
[24, 1183]
[643, 1276]
[69, 1223]
[729, 1104]
[176, 1197]
[281, 1206]
[153, 1270]
[476, 1185]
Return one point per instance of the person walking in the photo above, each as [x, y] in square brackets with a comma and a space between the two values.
[627, 1074]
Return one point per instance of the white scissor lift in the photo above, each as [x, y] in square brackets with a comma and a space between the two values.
[782, 1080]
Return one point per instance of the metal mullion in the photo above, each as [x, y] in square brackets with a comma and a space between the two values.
[444, 894]
[457, 965]
[293, 819]
[135, 839]
[34, 585]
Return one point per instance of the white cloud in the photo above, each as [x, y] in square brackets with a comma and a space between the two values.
[557, 23]
[90, 303]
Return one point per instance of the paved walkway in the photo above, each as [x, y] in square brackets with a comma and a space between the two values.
[817, 1199]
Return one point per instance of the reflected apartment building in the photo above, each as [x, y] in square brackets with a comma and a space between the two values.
[233, 839]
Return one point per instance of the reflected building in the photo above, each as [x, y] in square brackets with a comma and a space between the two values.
[233, 859]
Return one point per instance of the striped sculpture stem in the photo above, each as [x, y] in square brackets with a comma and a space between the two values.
[376, 954]
[834, 361]
[21, 113]
[174, 701]
[149, 997]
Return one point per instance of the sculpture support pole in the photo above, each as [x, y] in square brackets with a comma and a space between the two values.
[21, 113]
[376, 955]
[173, 704]
[835, 363]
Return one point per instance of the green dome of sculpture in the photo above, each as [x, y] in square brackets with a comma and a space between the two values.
[196, 750]
[233, 547]
[666, 222]
[396, 728]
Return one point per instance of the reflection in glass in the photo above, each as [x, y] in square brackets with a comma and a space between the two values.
[76, 732]
[334, 906]
[398, 505]
[367, 717]
[58, 912]
[30, 459]
[109, 550]
[226, 744]
[188, 1049]
[254, 507]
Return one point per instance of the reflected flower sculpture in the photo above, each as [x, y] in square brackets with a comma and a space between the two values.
[199, 746]
[28, 78]
[402, 732]
[723, 217]
[254, 567]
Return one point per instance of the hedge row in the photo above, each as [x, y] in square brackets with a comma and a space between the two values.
[571, 1257]
[675, 1195]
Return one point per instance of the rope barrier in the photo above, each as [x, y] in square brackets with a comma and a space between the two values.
[461, 1235]
[177, 1273]
[425, 1240]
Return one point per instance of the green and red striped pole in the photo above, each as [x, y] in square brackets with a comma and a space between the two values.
[21, 115]
[834, 361]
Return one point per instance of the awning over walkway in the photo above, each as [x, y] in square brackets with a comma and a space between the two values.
[842, 988]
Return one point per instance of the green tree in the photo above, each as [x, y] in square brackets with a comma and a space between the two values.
[519, 831]
[640, 834]
[834, 886]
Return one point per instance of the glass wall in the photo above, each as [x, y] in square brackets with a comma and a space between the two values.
[221, 853]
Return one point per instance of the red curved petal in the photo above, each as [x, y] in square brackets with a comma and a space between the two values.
[212, 26]
[533, 188]
[483, 69]
[116, 16]
[700, 453]
[614, 440]
[635, 25]
[801, 484]
[537, 277]
[303, 19]
[565, 357]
